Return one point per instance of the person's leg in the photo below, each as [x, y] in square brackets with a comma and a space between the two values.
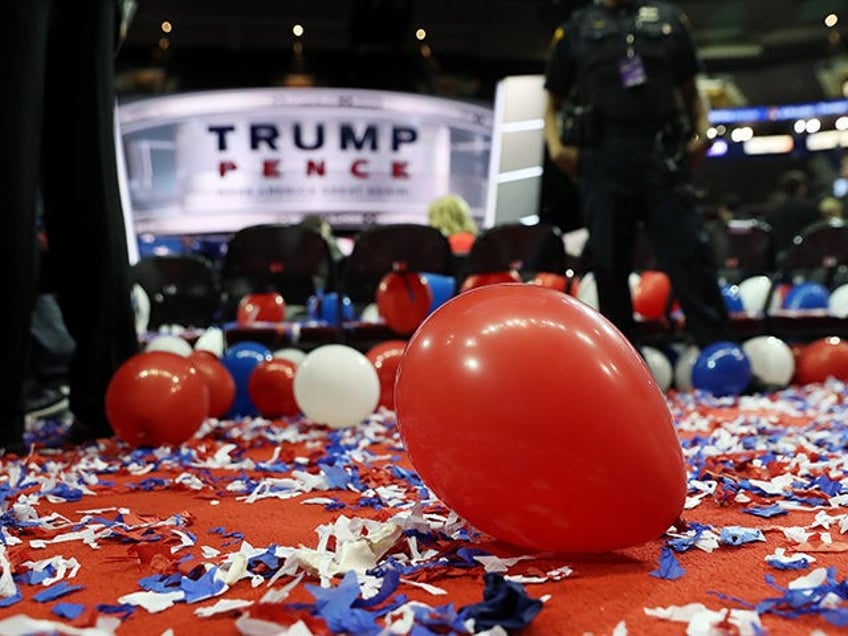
[612, 229]
[21, 75]
[83, 215]
[683, 250]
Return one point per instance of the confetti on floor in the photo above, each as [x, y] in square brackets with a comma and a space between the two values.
[285, 527]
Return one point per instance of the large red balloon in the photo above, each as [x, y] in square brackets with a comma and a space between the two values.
[650, 298]
[264, 307]
[531, 416]
[824, 358]
[386, 357]
[155, 398]
[403, 300]
[222, 386]
[271, 388]
[473, 281]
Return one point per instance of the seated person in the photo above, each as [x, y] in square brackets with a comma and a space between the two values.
[451, 214]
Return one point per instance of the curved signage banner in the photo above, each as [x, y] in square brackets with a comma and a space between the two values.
[214, 162]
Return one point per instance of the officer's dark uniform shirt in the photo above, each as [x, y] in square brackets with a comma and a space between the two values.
[625, 62]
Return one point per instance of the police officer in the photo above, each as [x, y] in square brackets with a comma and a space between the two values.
[625, 118]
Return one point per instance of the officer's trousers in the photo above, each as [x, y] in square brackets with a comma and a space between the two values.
[624, 183]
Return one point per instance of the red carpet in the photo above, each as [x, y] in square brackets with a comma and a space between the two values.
[249, 517]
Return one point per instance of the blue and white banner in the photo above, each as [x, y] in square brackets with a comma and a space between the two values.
[215, 162]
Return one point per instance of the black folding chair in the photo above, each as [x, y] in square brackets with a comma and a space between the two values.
[819, 254]
[382, 249]
[293, 260]
[183, 289]
[743, 249]
[527, 249]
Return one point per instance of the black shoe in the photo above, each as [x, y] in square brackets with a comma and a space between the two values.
[13, 450]
[45, 401]
[79, 433]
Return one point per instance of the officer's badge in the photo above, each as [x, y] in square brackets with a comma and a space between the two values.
[648, 13]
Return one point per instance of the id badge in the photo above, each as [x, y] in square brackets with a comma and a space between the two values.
[632, 71]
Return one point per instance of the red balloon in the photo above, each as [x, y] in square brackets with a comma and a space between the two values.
[264, 307]
[650, 299]
[222, 386]
[473, 281]
[155, 398]
[549, 279]
[403, 300]
[532, 416]
[271, 388]
[821, 359]
[386, 357]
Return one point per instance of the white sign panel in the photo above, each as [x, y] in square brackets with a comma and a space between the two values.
[219, 161]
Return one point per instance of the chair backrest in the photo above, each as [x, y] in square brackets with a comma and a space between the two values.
[742, 250]
[290, 259]
[817, 253]
[183, 289]
[383, 248]
[525, 248]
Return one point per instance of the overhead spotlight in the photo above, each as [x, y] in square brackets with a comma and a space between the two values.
[420, 34]
[297, 30]
[831, 20]
[166, 26]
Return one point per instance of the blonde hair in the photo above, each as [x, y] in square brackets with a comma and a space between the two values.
[451, 214]
[831, 208]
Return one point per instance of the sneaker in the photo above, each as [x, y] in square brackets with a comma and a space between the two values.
[45, 401]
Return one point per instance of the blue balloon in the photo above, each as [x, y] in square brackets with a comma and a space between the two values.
[443, 288]
[240, 360]
[722, 369]
[325, 307]
[732, 298]
[807, 295]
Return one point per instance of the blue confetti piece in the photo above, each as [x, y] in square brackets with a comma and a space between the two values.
[69, 611]
[669, 567]
[388, 584]
[335, 606]
[505, 604]
[11, 600]
[737, 535]
[775, 510]
[123, 611]
[337, 477]
[64, 491]
[35, 577]
[56, 591]
[205, 587]
[798, 564]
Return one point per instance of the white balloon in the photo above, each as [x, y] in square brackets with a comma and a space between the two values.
[753, 291]
[772, 360]
[141, 308]
[336, 385]
[659, 365]
[291, 354]
[587, 291]
[371, 314]
[683, 368]
[837, 302]
[173, 344]
[211, 340]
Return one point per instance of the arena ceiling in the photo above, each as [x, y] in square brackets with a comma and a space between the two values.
[731, 34]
